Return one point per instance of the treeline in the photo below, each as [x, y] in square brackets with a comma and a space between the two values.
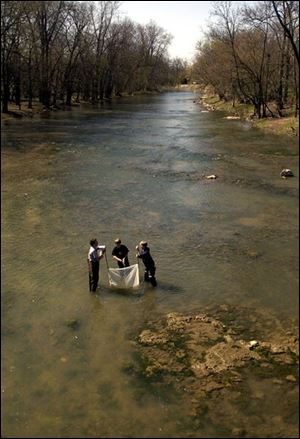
[70, 50]
[251, 55]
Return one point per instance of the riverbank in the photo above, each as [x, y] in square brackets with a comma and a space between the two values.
[288, 125]
[20, 112]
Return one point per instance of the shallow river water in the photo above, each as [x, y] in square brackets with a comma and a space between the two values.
[134, 169]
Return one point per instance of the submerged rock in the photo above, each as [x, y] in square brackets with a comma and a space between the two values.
[72, 323]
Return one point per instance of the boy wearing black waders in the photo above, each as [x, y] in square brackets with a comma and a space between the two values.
[144, 254]
[96, 252]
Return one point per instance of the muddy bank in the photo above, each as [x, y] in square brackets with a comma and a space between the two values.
[235, 368]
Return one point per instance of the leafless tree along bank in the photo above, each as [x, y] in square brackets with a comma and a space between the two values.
[251, 55]
[66, 51]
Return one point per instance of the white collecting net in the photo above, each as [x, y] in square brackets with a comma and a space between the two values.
[127, 277]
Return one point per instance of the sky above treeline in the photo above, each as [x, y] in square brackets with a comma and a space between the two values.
[186, 21]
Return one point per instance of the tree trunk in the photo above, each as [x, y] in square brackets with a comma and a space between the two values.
[86, 91]
[18, 94]
[279, 100]
[109, 86]
[45, 95]
[30, 94]
[45, 92]
[286, 79]
[69, 96]
[5, 98]
[29, 90]
[94, 92]
[78, 96]
[296, 81]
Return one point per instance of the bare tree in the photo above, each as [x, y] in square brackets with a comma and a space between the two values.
[11, 15]
[287, 13]
[73, 31]
[52, 50]
[49, 19]
[101, 19]
[246, 55]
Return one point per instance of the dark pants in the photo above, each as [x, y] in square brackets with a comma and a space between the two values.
[95, 275]
[149, 275]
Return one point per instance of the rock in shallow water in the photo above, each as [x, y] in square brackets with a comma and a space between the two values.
[286, 173]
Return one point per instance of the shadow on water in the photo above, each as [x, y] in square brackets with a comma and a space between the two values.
[126, 292]
[162, 287]
[167, 287]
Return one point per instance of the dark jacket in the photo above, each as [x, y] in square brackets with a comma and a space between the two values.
[144, 254]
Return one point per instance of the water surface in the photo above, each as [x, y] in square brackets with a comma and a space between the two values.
[132, 169]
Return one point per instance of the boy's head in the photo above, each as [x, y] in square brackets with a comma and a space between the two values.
[94, 242]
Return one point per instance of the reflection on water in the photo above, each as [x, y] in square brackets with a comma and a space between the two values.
[133, 169]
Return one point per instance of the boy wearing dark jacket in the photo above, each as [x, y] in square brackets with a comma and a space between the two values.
[144, 254]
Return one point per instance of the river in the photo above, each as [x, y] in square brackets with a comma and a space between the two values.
[133, 169]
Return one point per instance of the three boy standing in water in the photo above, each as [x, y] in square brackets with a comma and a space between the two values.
[120, 254]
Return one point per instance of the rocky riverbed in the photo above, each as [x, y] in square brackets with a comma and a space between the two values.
[236, 368]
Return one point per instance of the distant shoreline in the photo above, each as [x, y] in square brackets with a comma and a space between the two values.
[288, 125]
